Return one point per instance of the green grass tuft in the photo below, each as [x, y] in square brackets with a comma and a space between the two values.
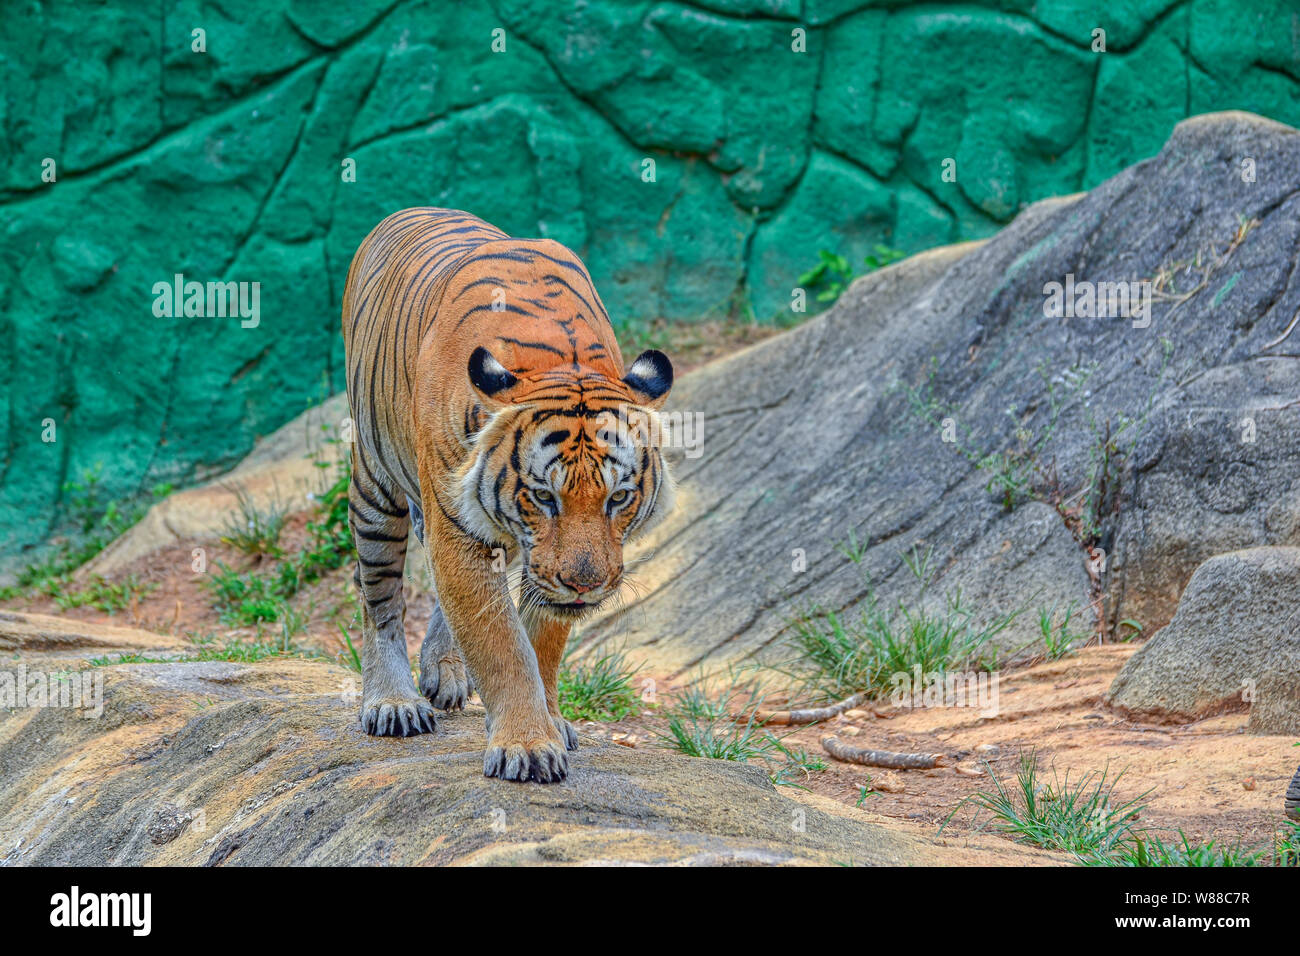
[1084, 817]
[725, 727]
[249, 598]
[601, 690]
[107, 596]
[239, 652]
[253, 531]
[842, 655]
[1147, 849]
[1058, 640]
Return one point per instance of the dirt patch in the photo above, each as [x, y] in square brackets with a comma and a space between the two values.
[173, 598]
[1209, 778]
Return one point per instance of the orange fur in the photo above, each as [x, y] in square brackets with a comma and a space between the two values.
[485, 382]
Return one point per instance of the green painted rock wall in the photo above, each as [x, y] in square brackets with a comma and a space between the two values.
[228, 164]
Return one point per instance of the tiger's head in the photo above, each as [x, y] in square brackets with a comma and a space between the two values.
[567, 469]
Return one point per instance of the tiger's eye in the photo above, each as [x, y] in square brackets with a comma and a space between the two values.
[544, 496]
[619, 496]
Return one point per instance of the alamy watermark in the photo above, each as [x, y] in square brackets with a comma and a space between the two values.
[133, 911]
[977, 690]
[1099, 300]
[190, 298]
[674, 429]
[72, 690]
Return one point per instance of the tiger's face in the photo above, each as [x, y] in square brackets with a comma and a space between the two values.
[567, 473]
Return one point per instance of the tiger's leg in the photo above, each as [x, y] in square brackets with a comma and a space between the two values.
[549, 638]
[444, 679]
[390, 704]
[523, 741]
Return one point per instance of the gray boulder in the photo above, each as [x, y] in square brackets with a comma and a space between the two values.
[1233, 645]
[1141, 448]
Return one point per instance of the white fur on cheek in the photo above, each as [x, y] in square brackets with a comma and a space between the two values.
[470, 513]
[467, 482]
[664, 503]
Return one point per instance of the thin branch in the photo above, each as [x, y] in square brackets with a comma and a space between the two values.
[809, 715]
[879, 758]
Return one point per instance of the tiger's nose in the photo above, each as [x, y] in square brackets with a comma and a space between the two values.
[581, 585]
[582, 575]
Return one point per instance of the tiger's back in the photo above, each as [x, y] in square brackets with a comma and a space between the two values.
[530, 300]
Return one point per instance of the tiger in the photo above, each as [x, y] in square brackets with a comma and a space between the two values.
[491, 413]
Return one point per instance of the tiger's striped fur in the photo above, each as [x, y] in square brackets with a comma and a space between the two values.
[491, 412]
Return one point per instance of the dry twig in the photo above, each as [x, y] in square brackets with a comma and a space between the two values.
[809, 715]
[879, 758]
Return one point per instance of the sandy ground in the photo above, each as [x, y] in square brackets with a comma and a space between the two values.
[1209, 779]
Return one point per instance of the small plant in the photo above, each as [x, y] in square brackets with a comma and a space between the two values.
[1286, 844]
[130, 658]
[1019, 471]
[601, 690]
[1011, 475]
[841, 656]
[349, 657]
[254, 531]
[239, 652]
[93, 522]
[1058, 640]
[1147, 849]
[1134, 629]
[84, 502]
[329, 539]
[833, 272]
[881, 256]
[292, 621]
[725, 727]
[242, 599]
[107, 596]
[1089, 511]
[830, 276]
[852, 549]
[247, 599]
[250, 652]
[637, 334]
[798, 765]
[1083, 817]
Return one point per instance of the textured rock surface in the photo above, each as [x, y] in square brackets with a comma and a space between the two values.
[1233, 645]
[225, 165]
[813, 435]
[23, 634]
[279, 474]
[232, 764]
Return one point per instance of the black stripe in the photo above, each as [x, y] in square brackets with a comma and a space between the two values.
[376, 536]
[531, 345]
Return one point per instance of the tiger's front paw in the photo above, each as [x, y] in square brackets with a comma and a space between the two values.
[542, 759]
[445, 683]
[397, 717]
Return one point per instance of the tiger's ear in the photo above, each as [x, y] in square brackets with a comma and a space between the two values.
[489, 376]
[650, 377]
